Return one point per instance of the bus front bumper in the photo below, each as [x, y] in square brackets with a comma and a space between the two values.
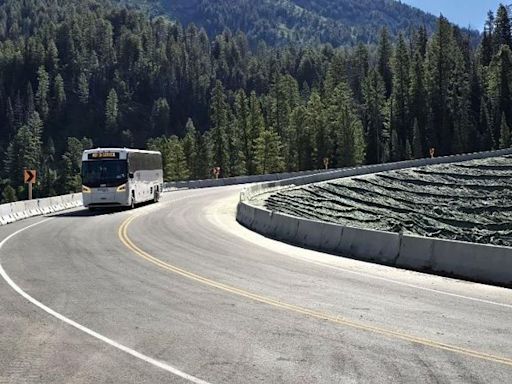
[105, 197]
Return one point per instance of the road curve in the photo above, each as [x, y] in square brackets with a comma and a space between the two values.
[179, 292]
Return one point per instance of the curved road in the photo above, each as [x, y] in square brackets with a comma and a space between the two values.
[178, 292]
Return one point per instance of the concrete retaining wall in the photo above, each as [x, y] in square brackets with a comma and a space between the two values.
[476, 262]
[20, 210]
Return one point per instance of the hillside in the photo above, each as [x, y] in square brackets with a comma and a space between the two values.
[77, 73]
[339, 22]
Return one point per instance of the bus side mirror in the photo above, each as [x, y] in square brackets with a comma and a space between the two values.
[131, 175]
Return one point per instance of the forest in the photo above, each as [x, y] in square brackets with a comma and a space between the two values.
[337, 22]
[81, 74]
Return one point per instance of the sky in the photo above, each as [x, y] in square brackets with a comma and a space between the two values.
[463, 12]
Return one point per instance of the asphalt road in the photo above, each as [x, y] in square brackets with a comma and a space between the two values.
[178, 292]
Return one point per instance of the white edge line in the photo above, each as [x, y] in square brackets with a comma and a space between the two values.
[138, 355]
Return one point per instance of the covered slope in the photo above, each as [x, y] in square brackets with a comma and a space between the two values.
[470, 201]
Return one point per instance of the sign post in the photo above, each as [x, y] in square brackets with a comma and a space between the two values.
[29, 176]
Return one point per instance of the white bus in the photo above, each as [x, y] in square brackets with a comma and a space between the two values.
[115, 177]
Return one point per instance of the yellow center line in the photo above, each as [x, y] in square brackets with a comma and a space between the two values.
[123, 236]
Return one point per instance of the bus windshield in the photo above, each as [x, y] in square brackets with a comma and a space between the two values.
[108, 173]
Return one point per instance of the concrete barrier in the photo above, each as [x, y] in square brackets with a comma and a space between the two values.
[208, 183]
[477, 262]
[330, 237]
[284, 227]
[415, 252]
[262, 222]
[364, 244]
[20, 210]
[307, 234]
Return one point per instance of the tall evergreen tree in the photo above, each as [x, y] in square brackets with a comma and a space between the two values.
[112, 112]
[385, 51]
[268, 153]
[505, 133]
[43, 89]
[219, 118]
[160, 116]
[502, 29]
[499, 83]
[257, 125]
[418, 99]
[439, 65]
[316, 123]
[59, 93]
[190, 149]
[401, 99]
[374, 117]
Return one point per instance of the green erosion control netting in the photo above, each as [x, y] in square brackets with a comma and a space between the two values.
[469, 201]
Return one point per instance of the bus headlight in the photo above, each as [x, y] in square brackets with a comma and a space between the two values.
[121, 188]
[86, 189]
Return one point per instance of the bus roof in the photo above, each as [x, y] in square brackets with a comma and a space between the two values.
[123, 151]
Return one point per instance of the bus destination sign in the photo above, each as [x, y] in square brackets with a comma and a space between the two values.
[103, 155]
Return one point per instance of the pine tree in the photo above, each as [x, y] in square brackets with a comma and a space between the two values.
[9, 195]
[401, 100]
[52, 58]
[439, 67]
[421, 41]
[237, 160]
[25, 149]
[305, 139]
[317, 125]
[487, 140]
[190, 148]
[176, 165]
[396, 148]
[374, 119]
[243, 127]
[59, 93]
[418, 99]
[384, 60]
[348, 130]
[504, 133]
[502, 30]
[71, 181]
[359, 71]
[335, 74]
[10, 120]
[257, 126]
[219, 119]
[459, 99]
[160, 117]
[268, 153]
[417, 150]
[43, 89]
[48, 183]
[30, 106]
[487, 47]
[173, 157]
[499, 88]
[204, 162]
[112, 112]
[82, 90]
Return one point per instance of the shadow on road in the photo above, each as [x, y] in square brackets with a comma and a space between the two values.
[84, 212]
